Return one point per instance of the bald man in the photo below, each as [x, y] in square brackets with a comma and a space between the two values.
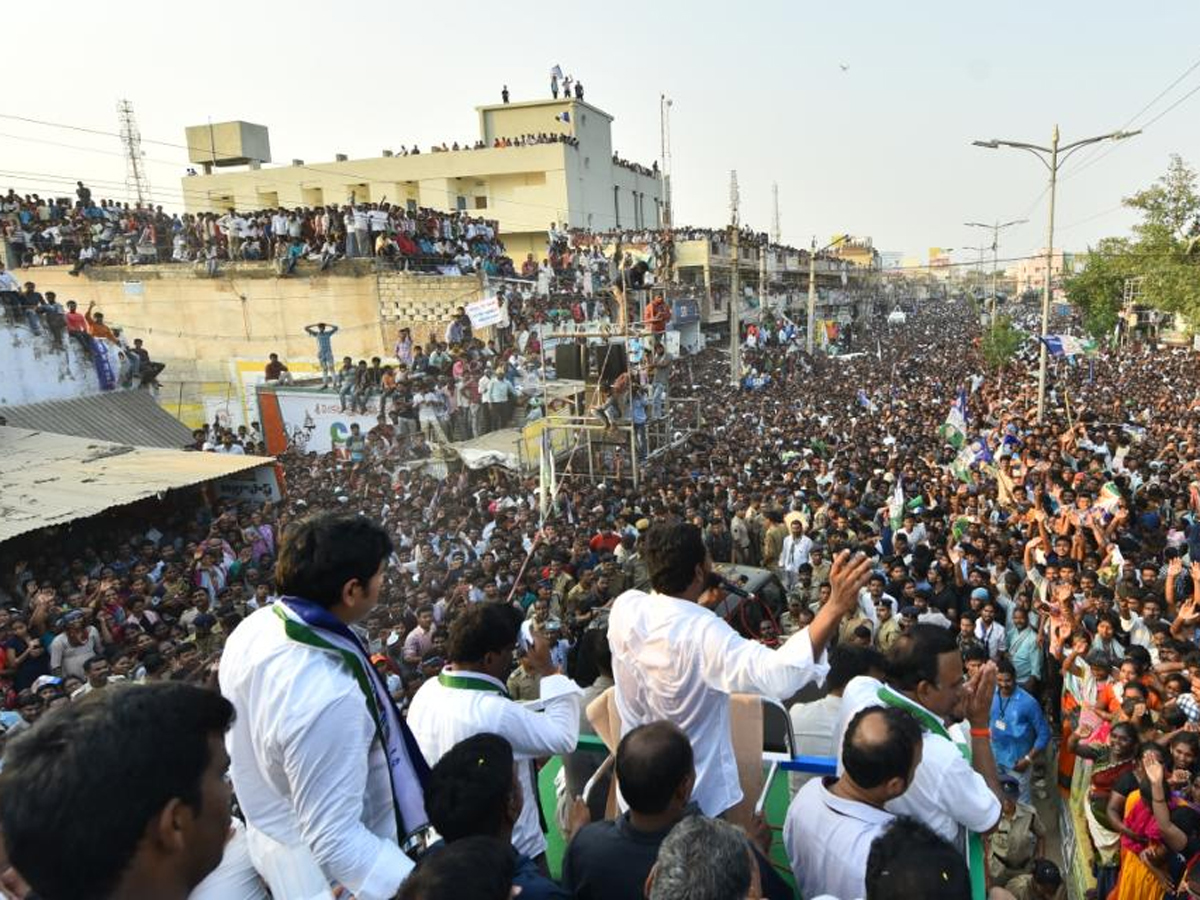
[831, 822]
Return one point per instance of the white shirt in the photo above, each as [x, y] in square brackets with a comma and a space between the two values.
[992, 637]
[813, 725]
[441, 716]
[676, 660]
[946, 793]
[307, 766]
[235, 878]
[795, 552]
[827, 840]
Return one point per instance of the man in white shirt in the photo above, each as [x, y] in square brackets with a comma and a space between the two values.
[814, 723]
[989, 632]
[673, 659]
[796, 547]
[832, 822]
[925, 677]
[325, 770]
[470, 698]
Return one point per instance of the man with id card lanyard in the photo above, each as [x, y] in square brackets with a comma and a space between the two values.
[1019, 729]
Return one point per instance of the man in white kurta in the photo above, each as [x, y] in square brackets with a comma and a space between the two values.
[322, 802]
[674, 659]
[949, 794]
[470, 698]
[306, 764]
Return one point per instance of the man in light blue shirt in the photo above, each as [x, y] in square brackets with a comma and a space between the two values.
[1023, 648]
[1019, 729]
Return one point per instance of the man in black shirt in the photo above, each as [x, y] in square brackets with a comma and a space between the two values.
[611, 860]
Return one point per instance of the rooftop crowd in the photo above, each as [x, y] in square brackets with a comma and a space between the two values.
[1043, 593]
[84, 232]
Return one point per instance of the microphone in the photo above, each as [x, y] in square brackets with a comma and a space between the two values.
[715, 580]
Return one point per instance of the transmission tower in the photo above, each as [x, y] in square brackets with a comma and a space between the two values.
[137, 182]
[776, 232]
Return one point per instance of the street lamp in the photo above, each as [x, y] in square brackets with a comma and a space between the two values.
[996, 227]
[812, 287]
[1057, 156]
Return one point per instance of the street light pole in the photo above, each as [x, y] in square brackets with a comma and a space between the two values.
[1044, 355]
[996, 228]
[1052, 158]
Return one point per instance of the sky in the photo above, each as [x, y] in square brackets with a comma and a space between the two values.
[880, 149]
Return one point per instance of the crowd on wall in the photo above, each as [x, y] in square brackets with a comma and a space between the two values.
[86, 333]
[84, 232]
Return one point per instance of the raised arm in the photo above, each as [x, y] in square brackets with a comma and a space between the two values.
[733, 664]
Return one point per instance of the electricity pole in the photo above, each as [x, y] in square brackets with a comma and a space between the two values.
[1052, 158]
[996, 227]
[735, 366]
[812, 287]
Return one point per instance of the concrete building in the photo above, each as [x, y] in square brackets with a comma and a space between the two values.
[577, 182]
[1030, 274]
[706, 267]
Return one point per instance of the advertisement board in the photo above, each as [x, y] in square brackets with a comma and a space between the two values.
[310, 420]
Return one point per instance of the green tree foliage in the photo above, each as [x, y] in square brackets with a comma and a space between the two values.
[1164, 251]
[1000, 343]
[1099, 288]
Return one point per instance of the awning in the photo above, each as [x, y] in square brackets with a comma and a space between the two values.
[126, 417]
[50, 479]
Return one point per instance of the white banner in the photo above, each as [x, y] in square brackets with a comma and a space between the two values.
[258, 484]
[318, 423]
[483, 313]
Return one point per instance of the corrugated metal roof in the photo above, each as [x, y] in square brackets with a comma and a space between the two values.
[50, 479]
[126, 417]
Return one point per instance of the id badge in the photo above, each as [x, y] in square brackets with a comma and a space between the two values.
[1000, 726]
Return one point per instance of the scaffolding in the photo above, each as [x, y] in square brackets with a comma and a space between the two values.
[614, 448]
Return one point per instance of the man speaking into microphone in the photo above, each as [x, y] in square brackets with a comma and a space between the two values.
[674, 659]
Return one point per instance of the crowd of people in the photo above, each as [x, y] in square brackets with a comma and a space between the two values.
[1009, 609]
[85, 333]
[84, 232]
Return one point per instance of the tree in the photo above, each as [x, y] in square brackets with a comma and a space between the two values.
[1098, 288]
[1000, 343]
[1164, 251]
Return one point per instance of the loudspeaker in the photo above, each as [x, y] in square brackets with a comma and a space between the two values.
[569, 361]
[608, 360]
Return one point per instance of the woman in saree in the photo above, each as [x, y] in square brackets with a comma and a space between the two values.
[1111, 759]
[1086, 687]
[1145, 853]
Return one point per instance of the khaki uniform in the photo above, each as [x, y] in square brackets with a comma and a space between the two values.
[524, 685]
[887, 634]
[1013, 843]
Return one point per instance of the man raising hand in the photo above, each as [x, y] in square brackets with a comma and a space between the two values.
[673, 659]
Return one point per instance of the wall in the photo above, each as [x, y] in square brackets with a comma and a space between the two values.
[32, 371]
[215, 334]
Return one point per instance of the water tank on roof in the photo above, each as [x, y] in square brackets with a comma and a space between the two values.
[228, 144]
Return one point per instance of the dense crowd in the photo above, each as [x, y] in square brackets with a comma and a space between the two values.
[1063, 558]
[85, 232]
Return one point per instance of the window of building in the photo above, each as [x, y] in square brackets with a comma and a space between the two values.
[460, 202]
[617, 204]
[481, 202]
[411, 205]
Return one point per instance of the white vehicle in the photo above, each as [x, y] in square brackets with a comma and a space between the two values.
[897, 317]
